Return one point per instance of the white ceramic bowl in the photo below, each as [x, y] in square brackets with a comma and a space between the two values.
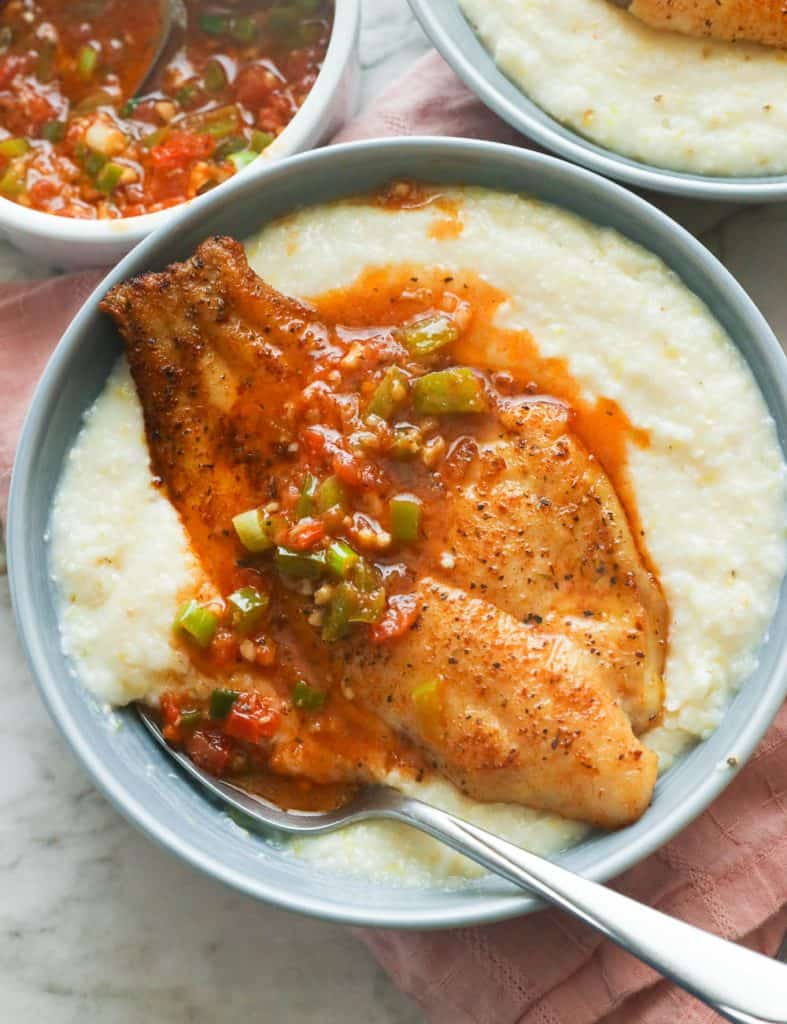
[68, 243]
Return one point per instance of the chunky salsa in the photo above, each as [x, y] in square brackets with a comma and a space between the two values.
[84, 134]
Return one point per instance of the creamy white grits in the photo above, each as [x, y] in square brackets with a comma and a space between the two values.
[710, 487]
[687, 104]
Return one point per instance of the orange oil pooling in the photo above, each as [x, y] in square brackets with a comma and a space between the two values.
[446, 228]
[394, 294]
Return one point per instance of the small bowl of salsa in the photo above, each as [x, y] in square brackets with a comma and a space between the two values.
[104, 131]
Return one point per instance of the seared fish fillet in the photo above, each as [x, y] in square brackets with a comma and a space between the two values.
[528, 711]
[508, 713]
[754, 21]
[537, 529]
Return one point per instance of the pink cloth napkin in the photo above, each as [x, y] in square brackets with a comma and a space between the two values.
[727, 872]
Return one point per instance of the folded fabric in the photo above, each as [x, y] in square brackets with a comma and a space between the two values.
[727, 872]
[33, 315]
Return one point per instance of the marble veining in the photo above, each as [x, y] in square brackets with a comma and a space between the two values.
[96, 923]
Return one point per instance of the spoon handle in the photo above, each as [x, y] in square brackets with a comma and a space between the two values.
[743, 986]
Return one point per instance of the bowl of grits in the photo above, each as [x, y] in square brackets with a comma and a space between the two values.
[652, 107]
[95, 153]
[505, 325]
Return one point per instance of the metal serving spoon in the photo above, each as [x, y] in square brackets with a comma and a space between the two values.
[742, 986]
[173, 15]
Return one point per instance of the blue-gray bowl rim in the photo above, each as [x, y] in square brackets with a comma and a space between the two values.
[458, 43]
[53, 418]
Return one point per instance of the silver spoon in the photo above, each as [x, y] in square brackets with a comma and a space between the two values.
[173, 15]
[742, 986]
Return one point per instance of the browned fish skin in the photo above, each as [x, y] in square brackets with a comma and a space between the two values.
[537, 529]
[754, 21]
[209, 343]
[521, 716]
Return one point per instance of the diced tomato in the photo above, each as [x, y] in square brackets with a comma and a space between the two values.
[170, 713]
[314, 440]
[42, 190]
[223, 649]
[254, 85]
[179, 149]
[171, 164]
[252, 719]
[400, 614]
[169, 709]
[10, 68]
[354, 471]
[306, 534]
[210, 750]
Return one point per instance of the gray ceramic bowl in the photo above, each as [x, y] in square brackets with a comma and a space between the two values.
[455, 38]
[126, 765]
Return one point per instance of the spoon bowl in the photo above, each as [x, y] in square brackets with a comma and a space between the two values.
[172, 16]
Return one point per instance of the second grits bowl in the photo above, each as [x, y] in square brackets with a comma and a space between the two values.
[457, 41]
[118, 753]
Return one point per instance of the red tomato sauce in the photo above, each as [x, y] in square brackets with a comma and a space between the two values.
[80, 138]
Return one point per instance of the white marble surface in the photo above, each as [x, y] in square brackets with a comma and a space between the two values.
[97, 924]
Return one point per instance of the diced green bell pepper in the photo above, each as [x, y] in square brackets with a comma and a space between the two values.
[283, 21]
[129, 107]
[341, 558]
[228, 146]
[390, 393]
[329, 494]
[456, 390]
[306, 697]
[242, 158]
[253, 530]
[247, 607]
[214, 76]
[243, 29]
[261, 140]
[428, 335]
[301, 565]
[188, 95]
[337, 616]
[360, 599]
[87, 61]
[199, 622]
[155, 138]
[221, 702]
[12, 183]
[108, 178]
[405, 517]
[305, 503]
[12, 148]
[94, 162]
[54, 131]
[219, 123]
[214, 24]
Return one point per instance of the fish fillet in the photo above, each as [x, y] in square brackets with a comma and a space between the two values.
[754, 21]
[537, 529]
[527, 711]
